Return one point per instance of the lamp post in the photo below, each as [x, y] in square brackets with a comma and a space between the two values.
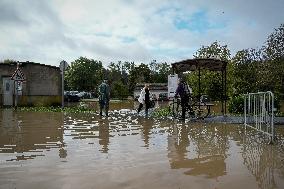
[63, 66]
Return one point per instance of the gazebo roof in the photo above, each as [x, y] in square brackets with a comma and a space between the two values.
[202, 63]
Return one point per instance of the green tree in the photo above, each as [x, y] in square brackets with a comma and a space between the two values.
[84, 74]
[119, 90]
[153, 66]
[245, 71]
[7, 61]
[128, 66]
[115, 71]
[261, 69]
[118, 76]
[274, 46]
[214, 50]
[211, 82]
[159, 72]
[272, 69]
[139, 74]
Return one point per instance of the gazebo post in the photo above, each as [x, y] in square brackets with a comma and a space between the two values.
[199, 81]
[222, 110]
[226, 89]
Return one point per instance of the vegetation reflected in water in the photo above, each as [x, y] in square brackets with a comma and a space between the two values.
[213, 154]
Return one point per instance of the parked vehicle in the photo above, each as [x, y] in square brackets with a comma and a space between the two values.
[84, 95]
[71, 96]
[153, 96]
[163, 96]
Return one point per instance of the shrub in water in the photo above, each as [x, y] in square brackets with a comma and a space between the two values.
[236, 105]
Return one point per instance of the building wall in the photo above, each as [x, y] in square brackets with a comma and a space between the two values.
[5, 71]
[42, 86]
[42, 80]
[155, 92]
[155, 88]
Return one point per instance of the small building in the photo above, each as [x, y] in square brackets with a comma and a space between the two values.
[42, 85]
[155, 89]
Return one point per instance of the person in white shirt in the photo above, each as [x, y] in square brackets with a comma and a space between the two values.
[144, 98]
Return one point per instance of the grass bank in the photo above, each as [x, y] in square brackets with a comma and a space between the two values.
[79, 109]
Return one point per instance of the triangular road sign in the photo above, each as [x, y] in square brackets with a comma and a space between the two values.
[18, 75]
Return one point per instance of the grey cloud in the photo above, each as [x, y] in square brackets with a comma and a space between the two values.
[27, 12]
[38, 34]
[39, 27]
[44, 15]
[134, 52]
[9, 14]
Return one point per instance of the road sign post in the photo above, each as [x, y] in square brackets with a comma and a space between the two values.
[16, 91]
[63, 66]
[17, 76]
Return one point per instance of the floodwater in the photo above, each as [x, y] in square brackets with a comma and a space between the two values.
[64, 150]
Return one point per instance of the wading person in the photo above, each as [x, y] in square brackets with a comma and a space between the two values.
[104, 96]
[144, 98]
[184, 93]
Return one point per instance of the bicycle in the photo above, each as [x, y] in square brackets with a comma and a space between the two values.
[196, 108]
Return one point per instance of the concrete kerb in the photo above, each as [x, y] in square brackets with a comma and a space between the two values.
[237, 119]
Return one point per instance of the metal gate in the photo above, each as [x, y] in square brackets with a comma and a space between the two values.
[259, 112]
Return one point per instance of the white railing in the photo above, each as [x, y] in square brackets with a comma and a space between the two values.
[259, 112]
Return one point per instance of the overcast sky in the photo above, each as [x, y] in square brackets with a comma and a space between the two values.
[48, 31]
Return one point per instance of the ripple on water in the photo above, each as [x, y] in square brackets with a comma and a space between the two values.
[159, 150]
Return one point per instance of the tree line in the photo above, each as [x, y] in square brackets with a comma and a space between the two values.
[86, 74]
[249, 70]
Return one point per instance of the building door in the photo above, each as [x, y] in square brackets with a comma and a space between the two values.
[8, 88]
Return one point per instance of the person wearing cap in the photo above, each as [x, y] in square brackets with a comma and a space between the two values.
[104, 97]
[184, 93]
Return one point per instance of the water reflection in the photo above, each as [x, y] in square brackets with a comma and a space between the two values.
[127, 144]
[87, 126]
[104, 136]
[262, 160]
[27, 139]
[62, 153]
[147, 125]
[199, 149]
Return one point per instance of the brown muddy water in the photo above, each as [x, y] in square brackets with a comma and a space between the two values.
[63, 150]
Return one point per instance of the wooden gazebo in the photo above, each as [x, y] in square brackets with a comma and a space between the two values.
[210, 64]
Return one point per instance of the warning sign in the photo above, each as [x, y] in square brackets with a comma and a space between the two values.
[18, 75]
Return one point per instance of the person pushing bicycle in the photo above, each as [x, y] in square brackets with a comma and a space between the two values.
[184, 93]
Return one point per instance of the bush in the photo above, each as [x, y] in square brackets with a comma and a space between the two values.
[277, 103]
[161, 112]
[236, 105]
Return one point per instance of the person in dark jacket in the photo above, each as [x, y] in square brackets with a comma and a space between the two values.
[184, 93]
[104, 97]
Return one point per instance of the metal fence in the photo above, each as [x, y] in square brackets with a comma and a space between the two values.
[259, 112]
